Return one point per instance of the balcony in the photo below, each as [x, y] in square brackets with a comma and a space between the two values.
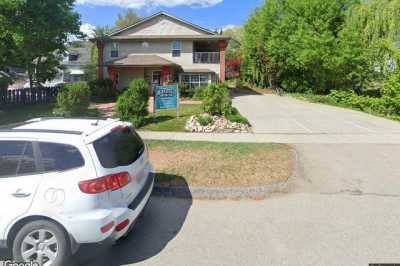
[206, 58]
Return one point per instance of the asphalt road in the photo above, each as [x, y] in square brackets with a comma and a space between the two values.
[342, 209]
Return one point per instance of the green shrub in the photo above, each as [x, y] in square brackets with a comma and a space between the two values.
[217, 100]
[238, 118]
[184, 90]
[342, 96]
[391, 87]
[199, 93]
[73, 100]
[132, 104]
[102, 89]
[204, 120]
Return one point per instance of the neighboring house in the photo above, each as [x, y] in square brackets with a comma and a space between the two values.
[163, 49]
[74, 62]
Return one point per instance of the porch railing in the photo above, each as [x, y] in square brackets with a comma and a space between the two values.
[206, 58]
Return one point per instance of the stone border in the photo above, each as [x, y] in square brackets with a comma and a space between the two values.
[218, 193]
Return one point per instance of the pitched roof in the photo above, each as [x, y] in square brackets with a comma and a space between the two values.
[140, 22]
[141, 60]
[172, 37]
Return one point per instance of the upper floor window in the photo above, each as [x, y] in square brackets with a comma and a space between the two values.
[114, 49]
[176, 48]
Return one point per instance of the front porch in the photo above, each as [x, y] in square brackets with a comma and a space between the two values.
[156, 71]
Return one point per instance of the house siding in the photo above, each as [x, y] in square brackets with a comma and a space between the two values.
[162, 49]
[161, 26]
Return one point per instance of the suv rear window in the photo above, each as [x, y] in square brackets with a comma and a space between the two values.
[60, 157]
[16, 158]
[121, 147]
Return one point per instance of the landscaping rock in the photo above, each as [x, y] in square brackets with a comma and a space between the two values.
[219, 125]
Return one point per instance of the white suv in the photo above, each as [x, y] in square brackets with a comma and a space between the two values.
[65, 182]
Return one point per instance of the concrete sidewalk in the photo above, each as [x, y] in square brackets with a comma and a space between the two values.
[389, 138]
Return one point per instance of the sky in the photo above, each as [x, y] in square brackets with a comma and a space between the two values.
[211, 14]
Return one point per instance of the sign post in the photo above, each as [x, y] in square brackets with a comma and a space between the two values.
[166, 97]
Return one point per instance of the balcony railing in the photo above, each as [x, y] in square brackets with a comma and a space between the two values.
[206, 58]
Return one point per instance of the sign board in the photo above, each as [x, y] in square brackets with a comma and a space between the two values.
[166, 97]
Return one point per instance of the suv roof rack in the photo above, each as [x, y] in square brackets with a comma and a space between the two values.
[70, 132]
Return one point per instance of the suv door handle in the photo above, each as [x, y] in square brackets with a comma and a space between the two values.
[20, 194]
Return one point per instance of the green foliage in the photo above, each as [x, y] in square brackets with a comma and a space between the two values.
[391, 88]
[4, 82]
[8, 34]
[127, 18]
[319, 45]
[236, 35]
[238, 118]
[40, 31]
[102, 89]
[199, 93]
[73, 100]
[204, 120]
[217, 100]
[184, 90]
[132, 104]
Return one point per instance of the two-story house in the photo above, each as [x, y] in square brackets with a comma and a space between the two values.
[162, 49]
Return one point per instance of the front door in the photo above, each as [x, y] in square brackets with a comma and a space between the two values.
[19, 179]
[156, 80]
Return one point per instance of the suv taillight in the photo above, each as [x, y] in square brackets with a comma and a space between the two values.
[106, 183]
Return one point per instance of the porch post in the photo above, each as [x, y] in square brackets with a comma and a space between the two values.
[112, 73]
[222, 47]
[166, 72]
[100, 60]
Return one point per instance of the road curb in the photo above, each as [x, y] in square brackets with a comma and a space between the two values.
[219, 193]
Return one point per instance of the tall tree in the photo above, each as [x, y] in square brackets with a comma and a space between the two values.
[127, 18]
[8, 35]
[233, 50]
[43, 28]
[294, 43]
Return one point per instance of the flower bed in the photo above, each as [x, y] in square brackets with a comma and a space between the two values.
[218, 124]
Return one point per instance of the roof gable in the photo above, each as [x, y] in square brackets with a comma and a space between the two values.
[162, 24]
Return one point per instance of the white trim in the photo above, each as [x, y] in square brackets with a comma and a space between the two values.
[140, 22]
[152, 76]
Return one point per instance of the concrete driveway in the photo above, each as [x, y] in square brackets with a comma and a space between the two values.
[270, 114]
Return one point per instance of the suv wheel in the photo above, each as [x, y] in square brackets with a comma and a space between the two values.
[43, 242]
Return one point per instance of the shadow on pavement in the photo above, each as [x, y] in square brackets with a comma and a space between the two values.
[162, 221]
[5, 255]
[244, 91]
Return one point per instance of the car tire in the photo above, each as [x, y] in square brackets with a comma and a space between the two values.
[43, 241]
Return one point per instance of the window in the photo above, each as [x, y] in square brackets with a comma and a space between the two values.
[114, 49]
[176, 48]
[195, 80]
[60, 157]
[73, 57]
[16, 158]
[119, 148]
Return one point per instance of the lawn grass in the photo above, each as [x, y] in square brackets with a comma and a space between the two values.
[206, 164]
[167, 120]
[25, 112]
